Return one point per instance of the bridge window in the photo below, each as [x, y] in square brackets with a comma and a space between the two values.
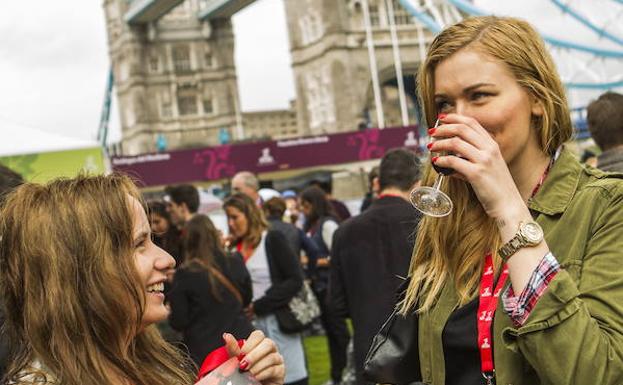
[401, 16]
[375, 19]
[311, 27]
[153, 63]
[208, 60]
[187, 104]
[181, 58]
[208, 107]
[320, 99]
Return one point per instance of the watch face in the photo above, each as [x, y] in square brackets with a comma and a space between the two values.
[532, 232]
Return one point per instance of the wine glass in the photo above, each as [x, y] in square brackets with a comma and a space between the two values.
[432, 201]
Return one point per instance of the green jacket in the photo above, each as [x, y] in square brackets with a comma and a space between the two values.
[574, 334]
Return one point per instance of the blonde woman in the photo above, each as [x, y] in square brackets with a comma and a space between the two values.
[496, 301]
[82, 284]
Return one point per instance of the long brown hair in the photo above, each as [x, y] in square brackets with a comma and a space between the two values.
[453, 247]
[255, 217]
[74, 299]
[202, 243]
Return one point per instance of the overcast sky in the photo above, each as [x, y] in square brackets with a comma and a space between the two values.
[54, 60]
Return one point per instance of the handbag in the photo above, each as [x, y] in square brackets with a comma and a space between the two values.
[393, 357]
[300, 312]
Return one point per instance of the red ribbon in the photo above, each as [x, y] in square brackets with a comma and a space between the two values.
[488, 300]
[214, 360]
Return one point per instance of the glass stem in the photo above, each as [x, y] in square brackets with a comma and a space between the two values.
[438, 181]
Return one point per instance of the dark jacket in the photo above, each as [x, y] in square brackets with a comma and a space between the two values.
[369, 252]
[200, 316]
[285, 273]
[611, 160]
[298, 241]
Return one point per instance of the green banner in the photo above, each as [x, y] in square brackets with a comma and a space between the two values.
[45, 166]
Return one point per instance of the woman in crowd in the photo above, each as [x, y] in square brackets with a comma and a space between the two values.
[165, 235]
[320, 224]
[209, 291]
[559, 318]
[276, 276]
[82, 285]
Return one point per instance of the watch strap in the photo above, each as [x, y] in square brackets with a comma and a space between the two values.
[511, 247]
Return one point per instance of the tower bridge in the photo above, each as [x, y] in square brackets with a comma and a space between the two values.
[353, 63]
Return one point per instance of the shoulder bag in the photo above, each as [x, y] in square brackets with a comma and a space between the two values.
[393, 357]
[300, 311]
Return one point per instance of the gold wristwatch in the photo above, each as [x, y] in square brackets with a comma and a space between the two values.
[529, 234]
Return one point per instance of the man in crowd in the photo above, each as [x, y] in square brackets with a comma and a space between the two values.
[247, 183]
[605, 122]
[274, 209]
[8, 181]
[371, 252]
[182, 203]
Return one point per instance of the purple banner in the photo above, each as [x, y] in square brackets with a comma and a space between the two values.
[224, 161]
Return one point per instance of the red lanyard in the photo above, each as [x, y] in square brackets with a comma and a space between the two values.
[388, 195]
[488, 300]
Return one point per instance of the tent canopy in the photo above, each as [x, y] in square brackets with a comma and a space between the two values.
[16, 139]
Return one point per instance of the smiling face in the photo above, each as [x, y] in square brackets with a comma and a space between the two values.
[152, 263]
[474, 84]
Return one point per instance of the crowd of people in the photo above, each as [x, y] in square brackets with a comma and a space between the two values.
[521, 283]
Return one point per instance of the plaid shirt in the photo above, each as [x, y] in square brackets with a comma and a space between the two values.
[519, 308]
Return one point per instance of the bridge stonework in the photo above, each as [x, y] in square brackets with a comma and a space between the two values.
[175, 78]
[331, 65]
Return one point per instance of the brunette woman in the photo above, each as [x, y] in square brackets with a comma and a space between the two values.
[276, 276]
[209, 291]
[320, 225]
[82, 284]
[165, 234]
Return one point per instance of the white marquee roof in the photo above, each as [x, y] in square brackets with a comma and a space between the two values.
[16, 139]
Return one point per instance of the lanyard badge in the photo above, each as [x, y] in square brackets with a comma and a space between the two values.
[488, 299]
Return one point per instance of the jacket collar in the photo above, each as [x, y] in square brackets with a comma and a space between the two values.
[559, 187]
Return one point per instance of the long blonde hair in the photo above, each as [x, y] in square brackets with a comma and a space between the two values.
[74, 299]
[454, 246]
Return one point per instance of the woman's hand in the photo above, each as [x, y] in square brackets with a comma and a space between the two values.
[479, 162]
[259, 356]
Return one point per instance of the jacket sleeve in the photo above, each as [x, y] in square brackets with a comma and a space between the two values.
[337, 290]
[574, 335]
[178, 300]
[312, 252]
[284, 262]
[240, 277]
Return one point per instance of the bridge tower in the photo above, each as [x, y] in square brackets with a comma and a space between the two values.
[331, 65]
[174, 76]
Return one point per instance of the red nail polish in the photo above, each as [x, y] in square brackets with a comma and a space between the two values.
[434, 159]
[244, 365]
[429, 145]
[241, 356]
[431, 131]
[441, 116]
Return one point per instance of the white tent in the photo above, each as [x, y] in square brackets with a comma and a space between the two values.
[16, 139]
